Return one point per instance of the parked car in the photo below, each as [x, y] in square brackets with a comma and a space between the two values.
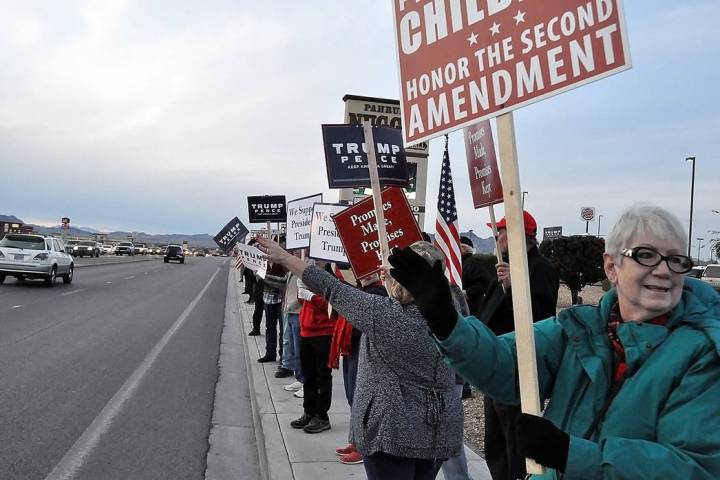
[696, 272]
[174, 252]
[35, 256]
[125, 248]
[711, 275]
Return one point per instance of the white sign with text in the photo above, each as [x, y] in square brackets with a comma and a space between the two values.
[325, 241]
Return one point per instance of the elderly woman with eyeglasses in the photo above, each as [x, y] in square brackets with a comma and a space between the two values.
[633, 383]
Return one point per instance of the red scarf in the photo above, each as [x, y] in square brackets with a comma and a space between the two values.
[619, 360]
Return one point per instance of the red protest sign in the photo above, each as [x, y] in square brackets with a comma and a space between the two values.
[358, 230]
[464, 61]
[485, 183]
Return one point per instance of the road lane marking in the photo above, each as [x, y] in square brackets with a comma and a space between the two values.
[70, 293]
[108, 283]
[129, 278]
[17, 306]
[75, 458]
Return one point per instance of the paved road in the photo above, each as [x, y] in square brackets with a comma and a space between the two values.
[113, 376]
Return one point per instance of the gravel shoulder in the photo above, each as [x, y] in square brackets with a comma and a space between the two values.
[474, 413]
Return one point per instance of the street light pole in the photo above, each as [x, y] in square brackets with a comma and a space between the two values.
[692, 196]
[599, 218]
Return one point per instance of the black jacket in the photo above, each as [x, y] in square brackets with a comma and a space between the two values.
[496, 309]
[476, 278]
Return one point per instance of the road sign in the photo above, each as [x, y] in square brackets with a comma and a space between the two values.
[587, 213]
[461, 62]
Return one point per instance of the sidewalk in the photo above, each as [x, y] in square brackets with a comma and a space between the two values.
[290, 454]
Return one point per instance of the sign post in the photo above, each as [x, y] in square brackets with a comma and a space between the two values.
[587, 214]
[377, 198]
[519, 274]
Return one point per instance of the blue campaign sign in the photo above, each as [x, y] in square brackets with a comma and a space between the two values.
[231, 233]
[346, 156]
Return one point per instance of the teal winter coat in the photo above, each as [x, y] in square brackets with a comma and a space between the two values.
[665, 421]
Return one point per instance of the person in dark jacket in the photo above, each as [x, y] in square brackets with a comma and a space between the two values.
[476, 275]
[496, 311]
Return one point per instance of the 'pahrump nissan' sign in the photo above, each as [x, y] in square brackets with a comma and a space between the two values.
[266, 208]
[463, 61]
[346, 156]
[231, 233]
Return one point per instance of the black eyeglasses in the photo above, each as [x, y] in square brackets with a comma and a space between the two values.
[649, 257]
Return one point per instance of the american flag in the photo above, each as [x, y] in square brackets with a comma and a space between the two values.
[447, 237]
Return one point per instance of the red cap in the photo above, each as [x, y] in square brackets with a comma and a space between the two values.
[528, 220]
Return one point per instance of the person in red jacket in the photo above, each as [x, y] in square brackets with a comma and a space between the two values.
[316, 330]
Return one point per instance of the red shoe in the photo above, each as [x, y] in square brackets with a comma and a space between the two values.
[352, 458]
[349, 448]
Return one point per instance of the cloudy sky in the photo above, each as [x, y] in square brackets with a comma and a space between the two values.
[161, 116]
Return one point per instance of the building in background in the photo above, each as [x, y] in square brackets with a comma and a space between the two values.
[11, 224]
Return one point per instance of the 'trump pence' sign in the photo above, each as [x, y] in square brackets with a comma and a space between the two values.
[299, 219]
[325, 241]
[461, 62]
[231, 233]
[252, 258]
[358, 230]
[266, 208]
[346, 156]
[485, 183]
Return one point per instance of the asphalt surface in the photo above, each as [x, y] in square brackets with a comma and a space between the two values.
[113, 376]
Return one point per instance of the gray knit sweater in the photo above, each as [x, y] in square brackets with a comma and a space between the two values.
[405, 403]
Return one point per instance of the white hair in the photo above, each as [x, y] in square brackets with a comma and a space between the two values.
[645, 220]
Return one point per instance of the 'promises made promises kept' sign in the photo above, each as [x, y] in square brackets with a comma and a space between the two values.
[463, 61]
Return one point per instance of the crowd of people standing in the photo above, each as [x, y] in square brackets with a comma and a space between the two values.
[631, 386]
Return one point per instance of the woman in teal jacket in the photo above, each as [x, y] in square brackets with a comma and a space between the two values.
[633, 383]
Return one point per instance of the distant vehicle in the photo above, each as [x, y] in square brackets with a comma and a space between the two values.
[125, 248]
[140, 249]
[711, 275]
[696, 272]
[174, 252]
[100, 248]
[200, 253]
[83, 248]
[35, 256]
[109, 249]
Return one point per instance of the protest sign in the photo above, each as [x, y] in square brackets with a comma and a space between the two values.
[461, 62]
[325, 241]
[266, 208]
[485, 184]
[299, 218]
[253, 259]
[347, 160]
[231, 233]
[359, 233]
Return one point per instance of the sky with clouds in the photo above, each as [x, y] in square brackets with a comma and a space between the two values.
[162, 116]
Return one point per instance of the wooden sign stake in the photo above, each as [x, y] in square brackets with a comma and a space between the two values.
[519, 274]
[377, 197]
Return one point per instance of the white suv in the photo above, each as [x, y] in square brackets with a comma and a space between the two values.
[711, 275]
[35, 256]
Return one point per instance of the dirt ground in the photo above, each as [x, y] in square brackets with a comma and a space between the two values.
[474, 418]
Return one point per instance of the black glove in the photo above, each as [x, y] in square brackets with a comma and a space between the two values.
[542, 441]
[429, 288]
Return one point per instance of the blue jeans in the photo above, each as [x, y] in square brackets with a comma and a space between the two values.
[456, 468]
[291, 345]
[381, 466]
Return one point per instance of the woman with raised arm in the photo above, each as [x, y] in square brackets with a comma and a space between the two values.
[406, 416]
[633, 383]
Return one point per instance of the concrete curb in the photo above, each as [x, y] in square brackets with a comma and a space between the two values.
[233, 427]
